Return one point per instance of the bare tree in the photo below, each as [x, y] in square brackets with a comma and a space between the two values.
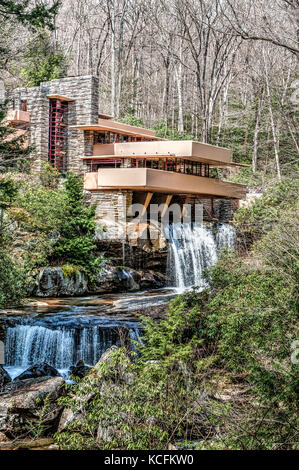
[212, 52]
[195, 65]
[275, 22]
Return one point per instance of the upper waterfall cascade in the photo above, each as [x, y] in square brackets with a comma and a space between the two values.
[225, 236]
[192, 248]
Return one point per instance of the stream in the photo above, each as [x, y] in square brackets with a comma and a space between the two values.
[62, 331]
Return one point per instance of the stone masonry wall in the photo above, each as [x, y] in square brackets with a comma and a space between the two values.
[83, 110]
[111, 202]
[111, 208]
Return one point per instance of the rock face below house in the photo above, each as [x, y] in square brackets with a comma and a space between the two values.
[52, 282]
[118, 279]
[20, 406]
[4, 378]
[38, 370]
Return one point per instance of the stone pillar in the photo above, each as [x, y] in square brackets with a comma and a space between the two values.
[83, 110]
[111, 206]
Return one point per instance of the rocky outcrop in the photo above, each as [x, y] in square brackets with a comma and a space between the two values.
[79, 370]
[93, 384]
[21, 409]
[52, 282]
[38, 370]
[4, 378]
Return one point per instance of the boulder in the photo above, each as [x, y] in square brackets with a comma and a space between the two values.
[116, 279]
[4, 378]
[20, 409]
[38, 370]
[79, 370]
[52, 282]
[122, 370]
[127, 279]
[67, 417]
[106, 357]
[152, 280]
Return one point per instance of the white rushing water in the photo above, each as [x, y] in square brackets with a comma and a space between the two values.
[60, 344]
[193, 248]
[225, 236]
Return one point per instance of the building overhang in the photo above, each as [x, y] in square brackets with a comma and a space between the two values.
[106, 125]
[177, 148]
[145, 179]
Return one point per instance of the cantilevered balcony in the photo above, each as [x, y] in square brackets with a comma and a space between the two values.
[171, 167]
[147, 179]
[16, 116]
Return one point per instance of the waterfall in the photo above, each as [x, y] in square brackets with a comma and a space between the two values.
[225, 236]
[61, 342]
[192, 248]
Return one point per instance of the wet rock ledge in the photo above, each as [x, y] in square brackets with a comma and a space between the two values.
[55, 282]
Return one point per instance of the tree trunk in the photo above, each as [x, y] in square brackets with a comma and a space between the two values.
[112, 19]
[272, 123]
[256, 131]
[179, 77]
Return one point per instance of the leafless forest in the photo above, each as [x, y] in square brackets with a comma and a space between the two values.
[222, 71]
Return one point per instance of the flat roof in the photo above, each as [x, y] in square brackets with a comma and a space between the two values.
[118, 130]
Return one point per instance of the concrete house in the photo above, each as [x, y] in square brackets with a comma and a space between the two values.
[122, 164]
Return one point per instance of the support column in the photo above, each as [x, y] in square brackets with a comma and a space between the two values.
[187, 199]
[166, 205]
[146, 203]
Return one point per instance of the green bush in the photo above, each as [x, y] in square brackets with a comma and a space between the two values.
[76, 243]
[70, 270]
[132, 120]
[13, 283]
[171, 133]
[147, 403]
[59, 227]
[264, 212]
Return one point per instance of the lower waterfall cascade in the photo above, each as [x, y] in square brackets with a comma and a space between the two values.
[193, 248]
[61, 342]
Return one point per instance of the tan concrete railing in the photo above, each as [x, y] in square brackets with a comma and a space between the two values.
[18, 116]
[145, 179]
